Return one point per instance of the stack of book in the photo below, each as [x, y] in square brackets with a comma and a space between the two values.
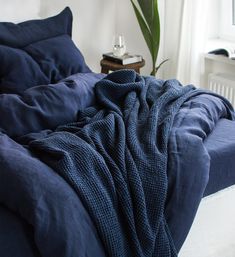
[221, 47]
[124, 60]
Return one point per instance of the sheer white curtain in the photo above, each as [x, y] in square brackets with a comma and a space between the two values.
[186, 33]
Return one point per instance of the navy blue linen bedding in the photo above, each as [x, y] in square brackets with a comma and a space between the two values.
[58, 57]
[189, 161]
[15, 65]
[16, 236]
[45, 201]
[61, 226]
[220, 145]
[38, 52]
[46, 106]
[24, 33]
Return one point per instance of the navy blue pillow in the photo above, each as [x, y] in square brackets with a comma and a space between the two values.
[61, 58]
[39, 52]
[22, 34]
[18, 71]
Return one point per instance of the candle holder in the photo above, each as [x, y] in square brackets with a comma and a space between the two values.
[119, 46]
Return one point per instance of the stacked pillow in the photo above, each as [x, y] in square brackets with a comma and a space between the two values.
[38, 52]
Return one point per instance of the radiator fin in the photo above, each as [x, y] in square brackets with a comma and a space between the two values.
[223, 84]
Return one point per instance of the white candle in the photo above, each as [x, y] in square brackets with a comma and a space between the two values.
[119, 47]
[120, 41]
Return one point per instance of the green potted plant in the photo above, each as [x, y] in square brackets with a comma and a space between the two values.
[147, 15]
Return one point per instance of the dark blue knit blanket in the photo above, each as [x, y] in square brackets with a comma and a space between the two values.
[115, 158]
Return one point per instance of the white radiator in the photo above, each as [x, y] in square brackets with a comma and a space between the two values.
[223, 84]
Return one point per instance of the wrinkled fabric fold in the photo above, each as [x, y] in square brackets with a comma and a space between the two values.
[124, 183]
[132, 168]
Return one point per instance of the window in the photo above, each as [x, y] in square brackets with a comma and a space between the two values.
[227, 20]
[233, 12]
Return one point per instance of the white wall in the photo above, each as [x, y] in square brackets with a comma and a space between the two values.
[17, 11]
[127, 25]
[93, 25]
[97, 21]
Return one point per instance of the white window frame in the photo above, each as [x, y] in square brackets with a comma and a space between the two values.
[226, 28]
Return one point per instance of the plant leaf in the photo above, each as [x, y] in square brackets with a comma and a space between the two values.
[155, 31]
[159, 66]
[146, 7]
[148, 17]
[150, 12]
[144, 28]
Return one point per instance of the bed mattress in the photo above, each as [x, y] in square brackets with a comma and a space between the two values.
[221, 147]
[213, 231]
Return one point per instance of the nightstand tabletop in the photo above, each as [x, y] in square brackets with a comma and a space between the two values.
[107, 66]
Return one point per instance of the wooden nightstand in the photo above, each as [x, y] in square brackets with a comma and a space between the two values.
[107, 66]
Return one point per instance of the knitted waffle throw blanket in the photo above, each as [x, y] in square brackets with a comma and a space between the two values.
[115, 158]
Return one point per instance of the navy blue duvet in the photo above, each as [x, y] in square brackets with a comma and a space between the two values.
[55, 221]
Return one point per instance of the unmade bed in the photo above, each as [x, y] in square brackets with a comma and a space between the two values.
[95, 165]
[212, 232]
